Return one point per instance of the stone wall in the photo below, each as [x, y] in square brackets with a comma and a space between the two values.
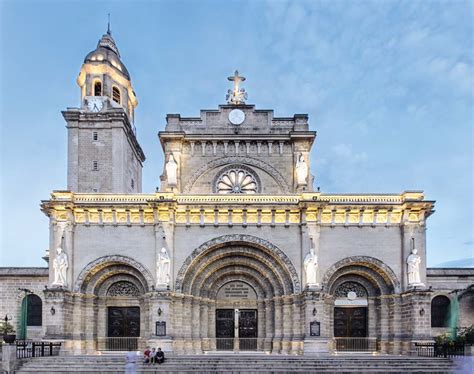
[11, 279]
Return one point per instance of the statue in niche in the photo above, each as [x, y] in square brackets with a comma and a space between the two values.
[301, 170]
[171, 171]
[413, 263]
[163, 265]
[60, 266]
[311, 268]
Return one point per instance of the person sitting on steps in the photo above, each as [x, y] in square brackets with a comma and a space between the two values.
[160, 356]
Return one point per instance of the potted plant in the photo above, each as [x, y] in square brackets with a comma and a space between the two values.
[8, 332]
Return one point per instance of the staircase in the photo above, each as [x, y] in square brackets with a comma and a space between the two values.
[240, 363]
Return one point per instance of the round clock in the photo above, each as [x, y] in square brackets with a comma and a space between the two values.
[95, 104]
[236, 117]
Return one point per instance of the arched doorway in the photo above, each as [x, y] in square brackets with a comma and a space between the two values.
[240, 293]
[361, 294]
[113, 292]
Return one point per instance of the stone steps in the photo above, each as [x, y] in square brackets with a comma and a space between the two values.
[242, 364]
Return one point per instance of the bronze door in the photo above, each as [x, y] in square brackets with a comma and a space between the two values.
[248, 329]
[123, 322]
[225, 329]
[350, 322]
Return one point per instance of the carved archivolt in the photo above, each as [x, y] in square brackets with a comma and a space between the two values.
[101, 263]
[241, 240]
[275, 174]
[369, 263]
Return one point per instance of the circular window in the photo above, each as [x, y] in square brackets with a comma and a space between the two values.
[237, 180]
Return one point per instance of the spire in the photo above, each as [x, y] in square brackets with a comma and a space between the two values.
[108, 25]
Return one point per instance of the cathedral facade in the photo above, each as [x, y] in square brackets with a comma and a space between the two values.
[235, 250]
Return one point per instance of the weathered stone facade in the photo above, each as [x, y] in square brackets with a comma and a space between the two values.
[235, 219]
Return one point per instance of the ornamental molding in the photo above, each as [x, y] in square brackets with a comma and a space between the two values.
[248, 161]
[105, 261]
[371, 262]
[242, 239]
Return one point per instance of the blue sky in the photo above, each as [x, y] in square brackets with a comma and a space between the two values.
[388, 85]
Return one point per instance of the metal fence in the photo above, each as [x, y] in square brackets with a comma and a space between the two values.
[29, 348]
[355, 344]
[118, 344]
[439, 350]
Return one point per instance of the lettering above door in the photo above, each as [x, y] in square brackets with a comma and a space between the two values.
[236, 291]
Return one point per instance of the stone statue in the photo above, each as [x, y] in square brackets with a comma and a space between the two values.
[171, 168]
[60, 266]
[311, 268]
[301, 170]
[413, 262]
[163, 265]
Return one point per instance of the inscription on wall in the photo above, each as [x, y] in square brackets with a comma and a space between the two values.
[236, 291]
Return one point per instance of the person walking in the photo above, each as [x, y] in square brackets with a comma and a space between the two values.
[131, 363]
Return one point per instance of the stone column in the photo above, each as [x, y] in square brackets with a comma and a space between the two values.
[160, 309]
[195, 324]
[287, 322]
[384, 323]
[261, 322]
[211, 324]
[187, 327]
[297, 340]
[269, 324]
[204, 315]
[278, 307]
[178, 311]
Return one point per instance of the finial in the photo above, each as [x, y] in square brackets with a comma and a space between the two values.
[108, 24]
[236, 96]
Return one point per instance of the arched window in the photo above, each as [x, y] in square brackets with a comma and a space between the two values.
[440, 311]
[97, 88]
[116, 94]
[34, 316]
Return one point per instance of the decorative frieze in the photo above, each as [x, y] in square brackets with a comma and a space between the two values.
[232, 209]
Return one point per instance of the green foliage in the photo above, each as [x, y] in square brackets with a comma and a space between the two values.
[465, 334]
[6, 328]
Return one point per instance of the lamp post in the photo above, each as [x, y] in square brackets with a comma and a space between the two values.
[24, 314]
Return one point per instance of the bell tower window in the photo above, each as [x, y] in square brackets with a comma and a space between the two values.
[98, 88]
[116, 95]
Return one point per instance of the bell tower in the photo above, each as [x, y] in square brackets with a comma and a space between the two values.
[103, 152]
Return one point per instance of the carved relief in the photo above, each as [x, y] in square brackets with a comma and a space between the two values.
[345, 288]
[123, 288]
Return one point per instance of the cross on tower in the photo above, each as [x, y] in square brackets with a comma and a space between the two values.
[236, 96]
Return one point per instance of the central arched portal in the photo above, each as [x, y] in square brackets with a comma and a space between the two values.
[239, 292]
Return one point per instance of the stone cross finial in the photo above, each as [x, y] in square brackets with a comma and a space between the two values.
[236, 96]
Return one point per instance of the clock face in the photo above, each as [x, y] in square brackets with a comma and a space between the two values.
[95, 105]
[236, 117]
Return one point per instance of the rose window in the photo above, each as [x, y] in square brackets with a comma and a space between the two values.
[237, 180]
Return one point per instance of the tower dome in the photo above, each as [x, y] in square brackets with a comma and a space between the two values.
[107, 52]
[104, 77]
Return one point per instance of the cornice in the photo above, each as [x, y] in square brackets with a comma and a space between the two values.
[214, 209]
